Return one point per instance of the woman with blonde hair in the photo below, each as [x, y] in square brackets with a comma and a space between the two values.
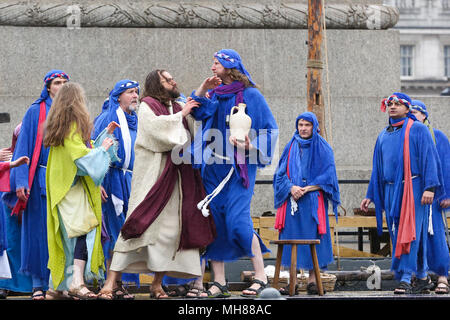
[75, 170]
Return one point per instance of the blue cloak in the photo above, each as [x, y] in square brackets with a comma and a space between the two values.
[231, 207]
[386, 188]
[311, 162]
[438, 252]
[117, 182]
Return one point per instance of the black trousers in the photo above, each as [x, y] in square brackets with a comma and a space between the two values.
[80, 252]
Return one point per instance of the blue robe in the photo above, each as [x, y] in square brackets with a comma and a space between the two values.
[117, 182]
[19, 282]
[311, 162]
[384, 189]
[231, 207]
[33, 230]
[438, 252]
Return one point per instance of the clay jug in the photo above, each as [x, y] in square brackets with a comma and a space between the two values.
[240, 122]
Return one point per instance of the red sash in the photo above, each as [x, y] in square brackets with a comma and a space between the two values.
[281, 211]
[21, 205]
[407, 226]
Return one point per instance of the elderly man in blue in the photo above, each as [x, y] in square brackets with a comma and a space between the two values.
[304, 183]
[119, 107]
[229, 178]
[406, 177]
[437, 248]
[28, 193]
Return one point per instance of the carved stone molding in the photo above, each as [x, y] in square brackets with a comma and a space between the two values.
[200, 14]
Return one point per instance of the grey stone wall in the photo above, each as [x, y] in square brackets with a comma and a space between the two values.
[363, 68]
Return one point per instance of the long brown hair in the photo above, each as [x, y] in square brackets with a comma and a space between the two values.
[69, 106]
[153, 87]
[235, 74]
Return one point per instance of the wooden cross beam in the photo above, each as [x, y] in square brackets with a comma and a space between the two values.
[314, 63]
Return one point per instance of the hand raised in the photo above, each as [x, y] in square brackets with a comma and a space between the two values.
[111, 127]
[20, 161]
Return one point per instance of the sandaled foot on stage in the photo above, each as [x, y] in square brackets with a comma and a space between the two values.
[218, 291]
[38, 294]
[422, 286]
[158, 293]
[403, 288]
[82, 292]
[442, 287]
[196, 292]
[255, 289]
[3, 293]
[57, 295]
[121, 293]
[284, 290]
[179, 291]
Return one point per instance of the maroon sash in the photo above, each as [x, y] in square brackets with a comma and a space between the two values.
[196, 230]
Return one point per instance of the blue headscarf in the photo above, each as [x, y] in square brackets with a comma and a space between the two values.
[419, 105]
[321, 166]
[52, 74]
[231, 59]
[398, 97]
[111, 104]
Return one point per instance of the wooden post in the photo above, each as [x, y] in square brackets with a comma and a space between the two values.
[314, 63]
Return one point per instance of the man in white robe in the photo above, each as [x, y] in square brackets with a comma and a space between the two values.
[162, 246]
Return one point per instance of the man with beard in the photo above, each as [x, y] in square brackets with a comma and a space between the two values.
[120, 107]
[164, 229]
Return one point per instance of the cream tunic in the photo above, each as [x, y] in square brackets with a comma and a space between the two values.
[156, 249]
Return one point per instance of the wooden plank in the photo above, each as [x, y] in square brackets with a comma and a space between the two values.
[352, 253]
[268, 234]
[356, 222]
[266, 222]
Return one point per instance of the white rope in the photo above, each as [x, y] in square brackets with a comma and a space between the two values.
[430, 221]
[330, 140]
[294, 206]
[203, 205]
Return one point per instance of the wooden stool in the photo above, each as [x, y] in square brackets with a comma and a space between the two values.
[293, 268]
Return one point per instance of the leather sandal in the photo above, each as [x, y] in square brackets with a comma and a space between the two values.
[196, 293]
[403, 288]
[443, 289]
[223, 293]
[121, 293]
[37, 296]
[422, 286]
[179, 291]
[158, 294]
[76, 293]
[262, 286]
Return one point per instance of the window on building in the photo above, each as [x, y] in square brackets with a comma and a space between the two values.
[447, 60]
[405, 4]
[406, 60]
[445, 4]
